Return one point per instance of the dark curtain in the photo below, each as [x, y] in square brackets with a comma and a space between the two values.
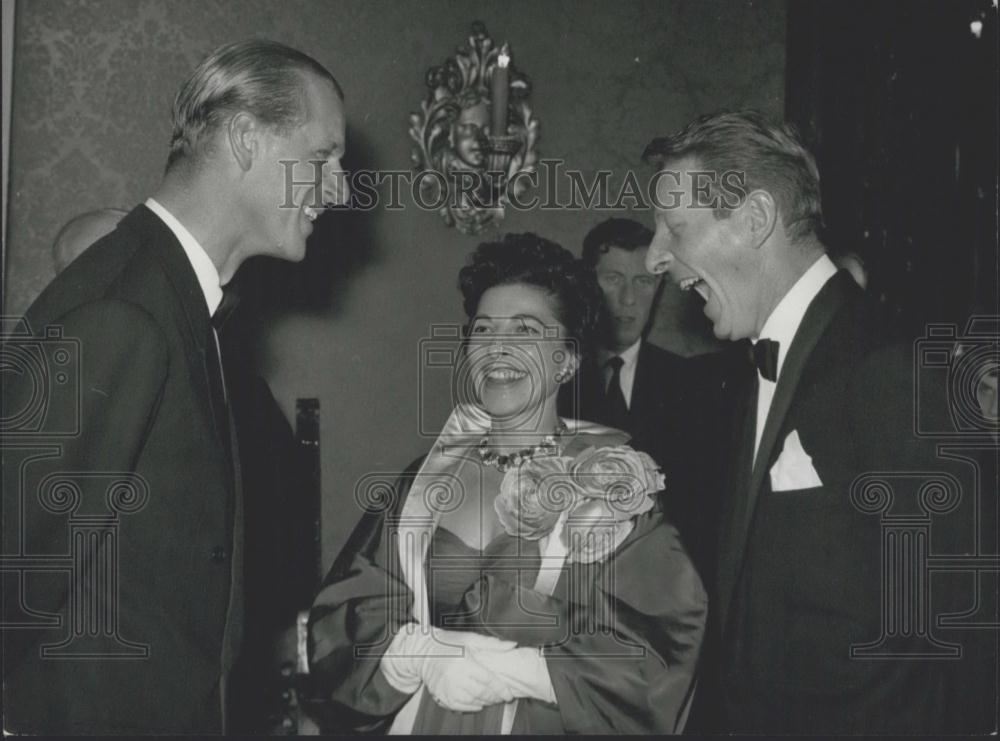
[899, 101]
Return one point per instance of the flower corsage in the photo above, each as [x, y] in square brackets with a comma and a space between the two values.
[590, 500]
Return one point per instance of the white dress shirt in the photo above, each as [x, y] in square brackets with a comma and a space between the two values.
[630, 360]
[204, 268]
[781, 326]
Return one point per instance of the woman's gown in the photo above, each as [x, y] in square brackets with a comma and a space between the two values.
[621, 637]
[453, 569]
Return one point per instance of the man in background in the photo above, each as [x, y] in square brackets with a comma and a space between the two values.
[626, 382]
[670, 405]
[153, 440]
[677, 324]
[82, 231]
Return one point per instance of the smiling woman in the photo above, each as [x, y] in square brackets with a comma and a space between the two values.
[504, 586]
[531, 310]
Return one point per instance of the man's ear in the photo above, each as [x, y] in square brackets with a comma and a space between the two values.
[244, 139]
[759, 215]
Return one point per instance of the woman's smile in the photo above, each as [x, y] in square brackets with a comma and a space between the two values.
[504, 375]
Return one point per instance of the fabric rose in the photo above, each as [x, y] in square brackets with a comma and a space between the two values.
[596, 526]
[620, 477]
[533, 495]
[615, 484]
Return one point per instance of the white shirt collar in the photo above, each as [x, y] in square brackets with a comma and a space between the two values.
[204, 268]
[629, 357]
[784, 320]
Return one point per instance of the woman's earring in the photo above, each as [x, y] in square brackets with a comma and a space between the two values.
[563, 375]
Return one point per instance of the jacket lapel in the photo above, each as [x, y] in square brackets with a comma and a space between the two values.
[640, 404]
[817, 318]
[167, 251]
[164, 248]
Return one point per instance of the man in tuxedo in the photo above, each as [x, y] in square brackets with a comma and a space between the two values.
[141, 634]
[798, 591]
[661, 399]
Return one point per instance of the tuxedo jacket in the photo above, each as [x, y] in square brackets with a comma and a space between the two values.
[677, 416]
[146, 616]
[660, 395]
[799, 584]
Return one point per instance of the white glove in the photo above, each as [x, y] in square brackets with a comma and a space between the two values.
[523, 670]
[444, 661]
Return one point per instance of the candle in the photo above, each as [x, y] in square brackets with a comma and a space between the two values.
[501, 88]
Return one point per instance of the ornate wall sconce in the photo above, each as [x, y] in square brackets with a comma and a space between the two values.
[474, 134]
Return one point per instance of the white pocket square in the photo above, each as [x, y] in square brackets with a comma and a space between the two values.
[794, 468]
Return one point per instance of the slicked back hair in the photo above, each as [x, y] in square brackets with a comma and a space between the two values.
[770, 156]
[262, 77]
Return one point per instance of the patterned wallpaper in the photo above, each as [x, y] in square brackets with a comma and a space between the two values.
[93, 83]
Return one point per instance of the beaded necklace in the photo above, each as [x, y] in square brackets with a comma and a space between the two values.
[548, 446]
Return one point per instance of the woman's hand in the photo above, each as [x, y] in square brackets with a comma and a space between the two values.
[463, 683]
[522, 670]
[445, 662]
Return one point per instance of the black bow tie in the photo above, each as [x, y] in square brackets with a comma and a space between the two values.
[765, 358]
[226, 307]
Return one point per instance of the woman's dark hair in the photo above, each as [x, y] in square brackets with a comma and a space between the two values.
[527, 259]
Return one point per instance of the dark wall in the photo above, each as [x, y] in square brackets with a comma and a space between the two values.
[93, 86]
[899, 101]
